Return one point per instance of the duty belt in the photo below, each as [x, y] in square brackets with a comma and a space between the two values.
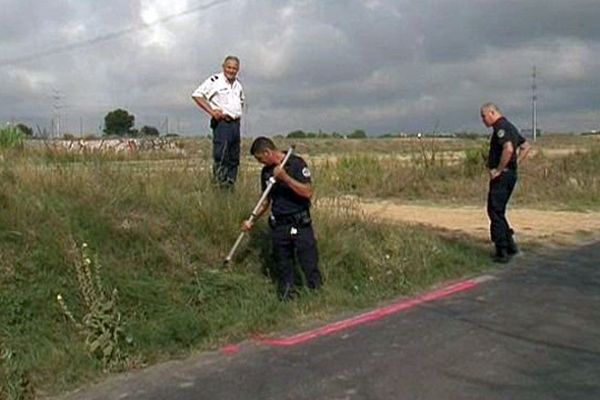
[299, 218]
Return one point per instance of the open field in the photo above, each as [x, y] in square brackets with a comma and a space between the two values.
[157, 231]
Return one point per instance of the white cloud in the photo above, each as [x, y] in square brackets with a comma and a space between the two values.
[153, 11]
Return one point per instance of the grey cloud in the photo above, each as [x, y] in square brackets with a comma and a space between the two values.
[382, 66]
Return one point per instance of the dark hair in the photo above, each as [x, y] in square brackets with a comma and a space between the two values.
[261, 144]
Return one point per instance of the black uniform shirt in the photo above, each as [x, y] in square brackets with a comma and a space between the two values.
[504, 132]
[284, 201]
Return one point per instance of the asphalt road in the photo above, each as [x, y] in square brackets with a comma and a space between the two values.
[532, 332]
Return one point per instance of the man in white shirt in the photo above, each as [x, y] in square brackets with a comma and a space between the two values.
[222, 97]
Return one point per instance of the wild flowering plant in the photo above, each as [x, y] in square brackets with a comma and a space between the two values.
[101, 325]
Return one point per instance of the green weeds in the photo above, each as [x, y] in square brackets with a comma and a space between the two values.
[11, 138]
[160, 232]
[16, 382]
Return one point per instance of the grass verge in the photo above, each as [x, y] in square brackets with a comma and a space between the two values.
[148, 284]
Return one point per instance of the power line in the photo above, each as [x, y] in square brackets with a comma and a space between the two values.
[106, 37]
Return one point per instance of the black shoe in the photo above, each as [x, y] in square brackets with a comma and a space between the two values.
[512, 249]
[501, 256]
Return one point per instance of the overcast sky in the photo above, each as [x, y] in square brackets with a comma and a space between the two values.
[383, 66]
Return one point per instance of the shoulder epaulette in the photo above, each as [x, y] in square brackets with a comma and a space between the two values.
[214, 78]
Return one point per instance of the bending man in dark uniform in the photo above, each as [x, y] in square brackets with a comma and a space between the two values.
[222, 97]
[505, 144]
[291, 226]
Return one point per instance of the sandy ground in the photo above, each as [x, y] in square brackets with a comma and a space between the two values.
[559, 227]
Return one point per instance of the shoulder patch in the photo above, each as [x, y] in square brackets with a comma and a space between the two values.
[501, 133]
[306, 172]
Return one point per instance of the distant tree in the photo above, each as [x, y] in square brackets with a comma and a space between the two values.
[149, 131]
[358, 134]
[120, 123]
[25, 130]
[296, 135]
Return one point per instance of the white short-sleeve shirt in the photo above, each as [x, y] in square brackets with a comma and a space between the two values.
[222, 95]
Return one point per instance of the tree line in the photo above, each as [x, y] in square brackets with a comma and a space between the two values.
[117, 122]
[299, 134]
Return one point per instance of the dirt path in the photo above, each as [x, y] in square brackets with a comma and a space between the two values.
[561, 227]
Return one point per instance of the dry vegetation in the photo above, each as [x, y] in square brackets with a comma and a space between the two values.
[160, 231]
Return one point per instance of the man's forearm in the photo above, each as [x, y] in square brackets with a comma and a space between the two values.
[524, 152]
[203, 104]
[264, 206]
[507, 153]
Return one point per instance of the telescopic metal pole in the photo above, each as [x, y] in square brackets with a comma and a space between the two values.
[253, 215]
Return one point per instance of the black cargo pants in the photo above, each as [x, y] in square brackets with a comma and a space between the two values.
[499, 193]
[290, 240]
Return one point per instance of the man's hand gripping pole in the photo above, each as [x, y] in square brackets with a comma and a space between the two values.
[253, 215]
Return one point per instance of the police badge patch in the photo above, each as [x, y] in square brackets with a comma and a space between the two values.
[501, 133]
[306, 172]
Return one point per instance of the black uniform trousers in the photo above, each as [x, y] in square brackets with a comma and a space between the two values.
[226, 150]
[500, 190]
[291, 240]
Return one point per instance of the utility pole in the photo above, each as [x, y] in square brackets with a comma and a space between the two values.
[534, 105]
[164, 127]
[57, 106]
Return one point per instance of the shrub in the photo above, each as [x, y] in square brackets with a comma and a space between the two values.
[11, 137]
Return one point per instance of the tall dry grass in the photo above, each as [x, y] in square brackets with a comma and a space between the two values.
[161, 234]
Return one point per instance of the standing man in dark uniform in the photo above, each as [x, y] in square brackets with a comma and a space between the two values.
[507, 149]
[291, 226]
[222, 97]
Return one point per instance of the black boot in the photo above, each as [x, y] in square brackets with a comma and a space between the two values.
[501, 255]
[512, 248]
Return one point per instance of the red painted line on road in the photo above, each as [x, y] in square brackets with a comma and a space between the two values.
[370, 316]
[230, 349]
